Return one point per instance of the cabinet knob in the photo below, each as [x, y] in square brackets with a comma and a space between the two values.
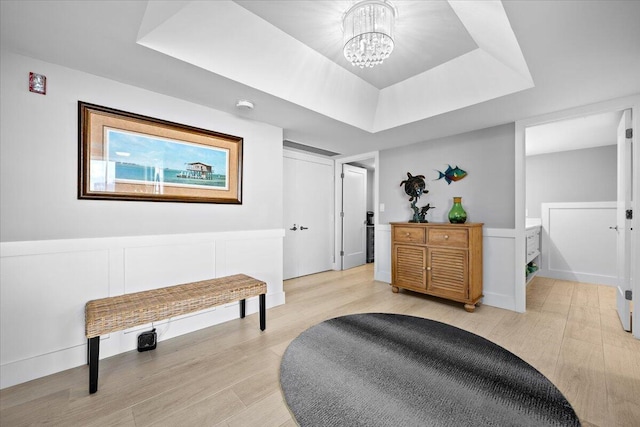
[428, 268]
[446, 236]
[408, 234]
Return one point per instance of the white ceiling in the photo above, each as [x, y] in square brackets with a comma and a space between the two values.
[457, 67]
[228, 40]
[578, 133]
[428, 33]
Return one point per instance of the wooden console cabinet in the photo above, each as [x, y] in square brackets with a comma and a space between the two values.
[439, 259]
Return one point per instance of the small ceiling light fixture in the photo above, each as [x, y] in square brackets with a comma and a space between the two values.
[244, 104]
[368, 32]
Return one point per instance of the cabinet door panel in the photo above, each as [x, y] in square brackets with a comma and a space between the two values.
[448, 273]
[409, 266]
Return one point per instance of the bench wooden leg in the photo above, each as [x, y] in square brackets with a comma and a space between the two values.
[263, 312]
[242, 308]
[94, 351]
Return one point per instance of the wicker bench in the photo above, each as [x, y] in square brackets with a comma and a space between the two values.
[111, 314]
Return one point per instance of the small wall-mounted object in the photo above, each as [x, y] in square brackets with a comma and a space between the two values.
[38, 83]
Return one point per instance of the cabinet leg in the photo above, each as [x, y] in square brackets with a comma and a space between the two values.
[395, 289]
[470, 307]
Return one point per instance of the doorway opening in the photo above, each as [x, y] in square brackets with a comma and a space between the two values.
[571, 187]
[356, 198]
[554, 202]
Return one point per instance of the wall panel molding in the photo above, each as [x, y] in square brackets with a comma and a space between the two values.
[45, 285]
[577, 242]
[498, 254]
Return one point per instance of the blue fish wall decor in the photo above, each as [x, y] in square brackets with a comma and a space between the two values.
[451, 174]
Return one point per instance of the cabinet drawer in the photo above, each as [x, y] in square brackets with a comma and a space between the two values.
[450, 237]
[408, 235]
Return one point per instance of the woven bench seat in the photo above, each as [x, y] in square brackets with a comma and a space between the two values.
[106, 315]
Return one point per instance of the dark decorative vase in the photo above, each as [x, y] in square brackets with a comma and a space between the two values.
[457, 215]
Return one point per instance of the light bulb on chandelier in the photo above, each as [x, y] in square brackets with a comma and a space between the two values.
[368, 32]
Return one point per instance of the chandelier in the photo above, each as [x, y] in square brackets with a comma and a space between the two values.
[368, 32]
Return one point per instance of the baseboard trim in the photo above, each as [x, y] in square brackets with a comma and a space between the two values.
[47, 364]
[595, 279]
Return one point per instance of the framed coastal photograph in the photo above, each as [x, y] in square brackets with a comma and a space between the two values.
[126, 156]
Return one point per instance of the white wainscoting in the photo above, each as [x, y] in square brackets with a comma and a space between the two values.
[499, 248]
[577, 243]
[383, 253]
[498, 260]
[45, 285]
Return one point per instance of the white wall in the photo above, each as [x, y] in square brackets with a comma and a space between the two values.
[39, 161]
[57, 252]
[587, 175]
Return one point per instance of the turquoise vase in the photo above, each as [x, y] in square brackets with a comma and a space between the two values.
[457, 214]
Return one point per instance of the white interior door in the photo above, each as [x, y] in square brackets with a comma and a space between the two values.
[354, 216]
[315, 182]
[623, 225]
[308, 215]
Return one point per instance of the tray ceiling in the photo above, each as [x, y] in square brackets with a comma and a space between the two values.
[455, 54]
[279, 55]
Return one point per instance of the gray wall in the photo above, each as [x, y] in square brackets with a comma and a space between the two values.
[488, 191]
[370, 190]
[39, 161]
[587, 175]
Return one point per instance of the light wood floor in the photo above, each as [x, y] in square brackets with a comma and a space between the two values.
[227, 375]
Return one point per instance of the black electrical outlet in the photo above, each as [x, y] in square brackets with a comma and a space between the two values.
[147, 340]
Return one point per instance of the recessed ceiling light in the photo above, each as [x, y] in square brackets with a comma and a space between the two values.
[244, 104]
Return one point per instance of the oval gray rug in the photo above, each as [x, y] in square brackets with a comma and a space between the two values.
[395, 370]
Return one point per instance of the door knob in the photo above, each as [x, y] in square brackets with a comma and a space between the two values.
[294, 228]
[303, 228]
